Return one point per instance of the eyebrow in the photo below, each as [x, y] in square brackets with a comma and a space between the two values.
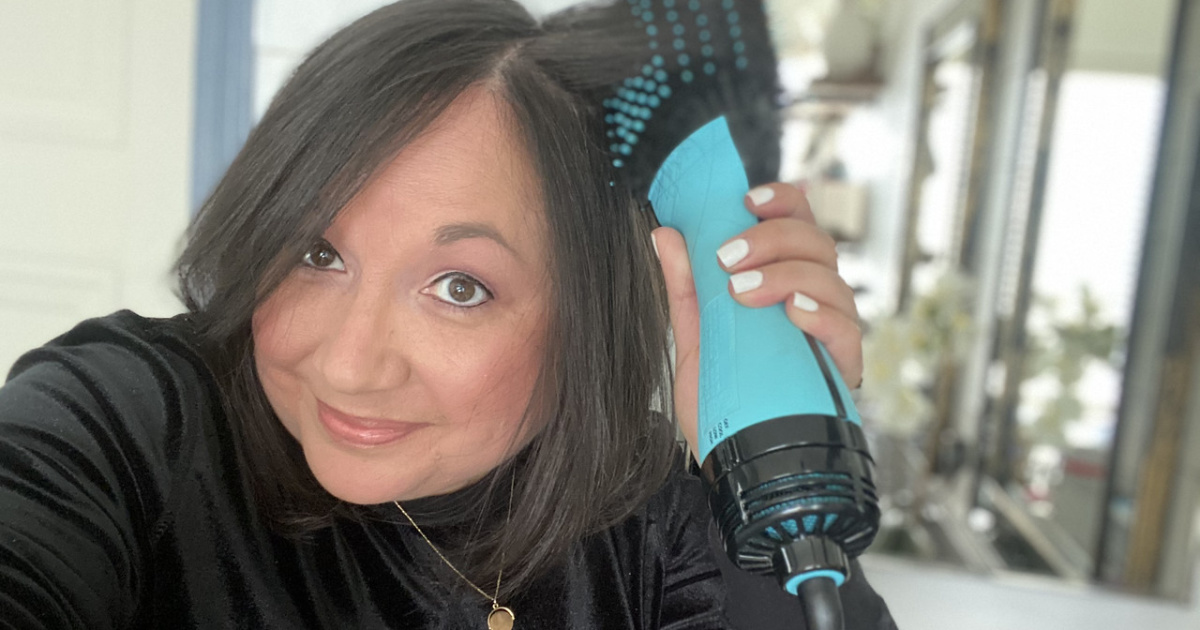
[452, 232]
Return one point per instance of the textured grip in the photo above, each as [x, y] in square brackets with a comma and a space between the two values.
[755, 365]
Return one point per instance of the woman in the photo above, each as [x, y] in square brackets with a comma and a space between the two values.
[414, 384]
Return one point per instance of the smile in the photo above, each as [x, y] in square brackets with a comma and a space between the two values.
[362, 432]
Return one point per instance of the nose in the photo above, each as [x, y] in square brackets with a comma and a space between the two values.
[361, 353]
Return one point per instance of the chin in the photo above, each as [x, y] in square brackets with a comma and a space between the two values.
[355, 493]
[360, 480]
[376, 476]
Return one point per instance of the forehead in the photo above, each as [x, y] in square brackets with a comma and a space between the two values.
[470, 164]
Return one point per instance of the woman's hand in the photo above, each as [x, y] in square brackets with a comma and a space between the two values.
[784, 258]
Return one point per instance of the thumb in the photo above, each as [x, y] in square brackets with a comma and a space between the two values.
[685, 326]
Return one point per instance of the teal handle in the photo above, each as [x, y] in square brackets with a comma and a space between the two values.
[755, 365]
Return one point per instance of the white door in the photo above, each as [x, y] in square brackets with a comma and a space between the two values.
[95, 151]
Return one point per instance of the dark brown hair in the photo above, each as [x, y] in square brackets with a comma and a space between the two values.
[357, 100]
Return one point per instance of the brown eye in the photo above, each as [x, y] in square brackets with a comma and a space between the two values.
[322, 255]
[461, 290]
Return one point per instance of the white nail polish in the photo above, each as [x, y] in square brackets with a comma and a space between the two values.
[761, 195]
[746, 281]
[654, 243]
[804, 303]
[733, 252]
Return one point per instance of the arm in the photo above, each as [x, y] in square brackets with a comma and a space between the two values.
[85, 441]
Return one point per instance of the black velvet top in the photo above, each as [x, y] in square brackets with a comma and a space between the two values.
[122, 506]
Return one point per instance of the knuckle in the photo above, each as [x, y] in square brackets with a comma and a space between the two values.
[828, 245]
[847, 292]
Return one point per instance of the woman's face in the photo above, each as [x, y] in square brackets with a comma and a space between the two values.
[403, 351]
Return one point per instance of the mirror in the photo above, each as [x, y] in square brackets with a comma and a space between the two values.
[1101, 82]
[1035, 146]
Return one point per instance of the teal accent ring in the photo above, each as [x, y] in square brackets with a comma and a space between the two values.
[793, 585]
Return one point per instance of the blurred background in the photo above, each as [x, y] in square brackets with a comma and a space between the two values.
[1016, 192]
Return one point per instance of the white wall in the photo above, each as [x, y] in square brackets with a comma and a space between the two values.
[95, 148]
[286, 30]
[1122, 36]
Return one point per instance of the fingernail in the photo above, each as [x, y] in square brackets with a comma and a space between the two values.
[733, 252]
[654, 243]
[804, 303]
[761, 195]
[746, 281]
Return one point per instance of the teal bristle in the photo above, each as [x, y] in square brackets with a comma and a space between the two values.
[689, 30]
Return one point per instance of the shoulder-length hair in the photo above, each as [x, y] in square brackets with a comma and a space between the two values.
[356, 101]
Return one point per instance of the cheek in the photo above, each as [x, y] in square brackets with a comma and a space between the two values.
[284, 335]
[487, 388]
[273, 345]
[290, 324]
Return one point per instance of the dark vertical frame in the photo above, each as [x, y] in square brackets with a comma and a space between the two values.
[1158, 378]
[224, 88]
[1052, 54]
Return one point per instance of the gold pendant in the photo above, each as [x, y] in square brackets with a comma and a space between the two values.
[501, 618]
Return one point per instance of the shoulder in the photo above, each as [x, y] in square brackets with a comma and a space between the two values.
[679, 508]
[98, 429]
[123, 348]
[671, 558]
[128, 382]
[121, 334]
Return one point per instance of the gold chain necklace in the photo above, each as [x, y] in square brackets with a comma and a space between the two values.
[501, 617]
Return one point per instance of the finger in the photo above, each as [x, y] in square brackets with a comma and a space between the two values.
[840, 335]
[685, 325]
[776, 200]
[775, 240]
[778, 282]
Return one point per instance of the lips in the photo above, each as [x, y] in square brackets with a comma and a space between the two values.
[359, 431]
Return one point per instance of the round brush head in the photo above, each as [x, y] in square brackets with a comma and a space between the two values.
[674, 66]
